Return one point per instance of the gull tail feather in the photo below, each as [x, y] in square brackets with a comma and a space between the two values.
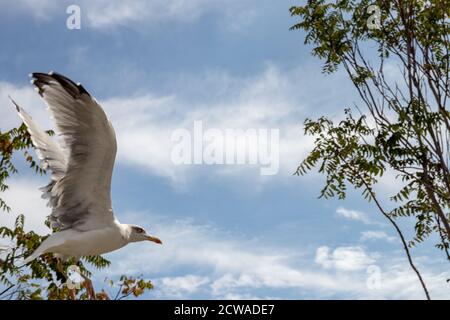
[46, 246]
[33, 256]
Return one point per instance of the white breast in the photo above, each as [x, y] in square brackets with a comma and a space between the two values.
[92, 242]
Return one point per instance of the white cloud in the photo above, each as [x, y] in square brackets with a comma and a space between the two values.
[23, 197]
[343, 258]
[353, 215]
[177, 287]
[238, 296]
[25, 96]
[371, 235]
[40, 9]
[232, 264]
[226, 265]
[106, 14]
[144, 123]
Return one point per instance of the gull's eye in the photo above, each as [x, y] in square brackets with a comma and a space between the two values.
[139, 230]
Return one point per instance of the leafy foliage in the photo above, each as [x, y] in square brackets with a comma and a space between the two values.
[406, 126]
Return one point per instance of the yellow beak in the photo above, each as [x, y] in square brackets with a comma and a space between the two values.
[154, 239]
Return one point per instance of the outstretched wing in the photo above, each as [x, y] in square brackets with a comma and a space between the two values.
[80, 194]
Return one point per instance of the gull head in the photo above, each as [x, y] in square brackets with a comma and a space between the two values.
[138, 233]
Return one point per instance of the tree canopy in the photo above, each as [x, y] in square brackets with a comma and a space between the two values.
[396, 54]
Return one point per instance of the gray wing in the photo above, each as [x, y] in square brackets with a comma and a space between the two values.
[80, 195]
[47, 150]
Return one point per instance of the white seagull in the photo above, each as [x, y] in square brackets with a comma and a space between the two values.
[79, 192]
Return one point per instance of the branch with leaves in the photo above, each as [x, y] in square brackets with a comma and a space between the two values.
[404, 123]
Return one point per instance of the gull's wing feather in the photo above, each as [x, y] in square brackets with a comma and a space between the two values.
[81, 198]
[47, 150]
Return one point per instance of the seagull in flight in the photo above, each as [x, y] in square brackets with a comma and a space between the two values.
[81, 166]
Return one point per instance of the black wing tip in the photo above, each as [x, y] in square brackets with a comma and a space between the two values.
[40, 79]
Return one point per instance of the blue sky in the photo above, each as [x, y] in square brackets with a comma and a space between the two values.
[228, 232]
